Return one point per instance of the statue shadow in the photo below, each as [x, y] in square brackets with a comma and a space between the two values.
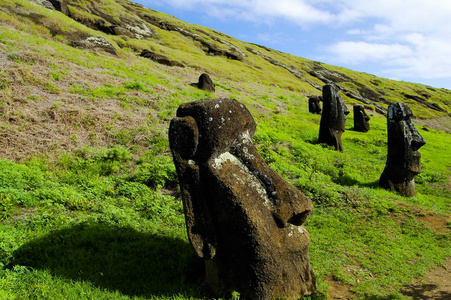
[346, 180]
[117, 259]
[420, 292]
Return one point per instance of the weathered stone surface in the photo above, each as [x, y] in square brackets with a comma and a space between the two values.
[161, 59]
[92, 42]
[333, 118]
[242, 218]
[403, 157]
[205, 83]
[361, 119]
[314, 105]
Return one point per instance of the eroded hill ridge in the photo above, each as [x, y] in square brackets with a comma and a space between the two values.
[130, 20]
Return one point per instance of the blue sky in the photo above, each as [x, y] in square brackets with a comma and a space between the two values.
[396, 39]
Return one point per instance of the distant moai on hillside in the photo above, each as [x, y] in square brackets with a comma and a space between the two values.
[403, 157]
[314, 106]
[361, 119]
[333, 118]
[242, 218]
[205, 83]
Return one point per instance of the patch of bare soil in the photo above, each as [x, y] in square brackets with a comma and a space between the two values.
[436, 223]
[338, 290]
[442, 123]
[436, 284]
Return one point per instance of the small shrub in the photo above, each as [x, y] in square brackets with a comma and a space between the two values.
[52, 89]
[135, 86]
[430, 177]
[3, 84]
[156, 174]
[6, 205]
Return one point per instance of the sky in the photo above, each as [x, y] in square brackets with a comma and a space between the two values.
[395, 39]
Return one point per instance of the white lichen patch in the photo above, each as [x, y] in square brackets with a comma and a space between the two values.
[295, 229]
[99, 40]
[244, 177]
[140, 31]
[221, 159]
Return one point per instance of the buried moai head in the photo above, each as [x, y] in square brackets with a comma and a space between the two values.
[361, 119]
[313, 104]
[242, 218]
[205, 83]
[403, 157]
[333, 118]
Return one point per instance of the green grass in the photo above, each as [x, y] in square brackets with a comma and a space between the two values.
[93, 214]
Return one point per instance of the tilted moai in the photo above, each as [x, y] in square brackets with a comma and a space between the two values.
[333, 118]
[205, 83]
[313, 104]
[403, 157]
[361, 119]
[242, 218]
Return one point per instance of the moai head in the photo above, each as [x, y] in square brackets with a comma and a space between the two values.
[403, 157]
[333, 118]
[205, 83]
[313, 104]
[361, 119]
[242, 218]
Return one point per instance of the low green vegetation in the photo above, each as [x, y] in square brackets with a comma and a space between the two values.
[89, 200]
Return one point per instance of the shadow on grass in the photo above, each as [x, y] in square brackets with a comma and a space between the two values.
[122, 259]
[346, 180]
[420, 292]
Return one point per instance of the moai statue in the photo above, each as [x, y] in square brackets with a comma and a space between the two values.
[205, 83]
[242, 218]
[403, 157]
[361, 119]
[333, 118]
[313, 104]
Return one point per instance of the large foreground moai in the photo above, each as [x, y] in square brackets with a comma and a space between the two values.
[242, 218]
[361, 119]
[403, 157]
[333, 118]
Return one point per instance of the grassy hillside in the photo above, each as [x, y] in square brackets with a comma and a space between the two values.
[89, 203]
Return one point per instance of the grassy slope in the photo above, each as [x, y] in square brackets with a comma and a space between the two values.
[86, 195]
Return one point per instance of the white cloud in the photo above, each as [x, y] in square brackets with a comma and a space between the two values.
[407, 38]
[301, 12]
[357, 52]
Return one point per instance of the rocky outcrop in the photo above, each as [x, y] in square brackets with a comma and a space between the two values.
[242, 218]
[92, 42]
[425, 102]
[290, 69]
[403, 157]
[161, 59]
[365, 95]
[209, 48]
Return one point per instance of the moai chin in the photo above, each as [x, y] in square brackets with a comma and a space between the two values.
[242, 218]
[361, 119]
[333, 118]
[403, 157]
